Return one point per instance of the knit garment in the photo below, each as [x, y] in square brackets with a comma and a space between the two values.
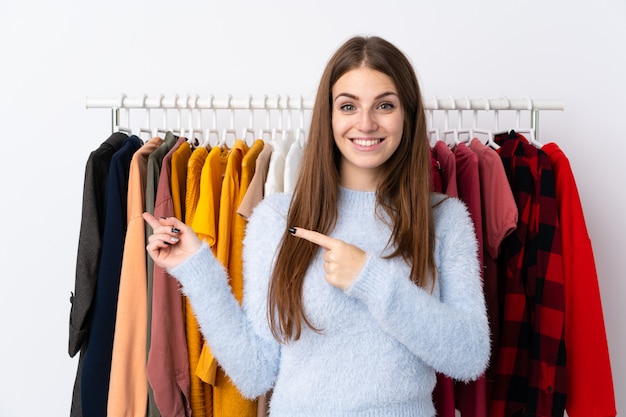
[381, 340]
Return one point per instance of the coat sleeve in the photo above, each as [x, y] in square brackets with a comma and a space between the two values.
[239, 336]
[449, 332]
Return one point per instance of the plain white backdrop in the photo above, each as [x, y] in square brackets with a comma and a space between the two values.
[55, 54]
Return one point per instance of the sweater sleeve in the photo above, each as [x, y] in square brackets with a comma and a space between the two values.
[449, 332]
[239, 336]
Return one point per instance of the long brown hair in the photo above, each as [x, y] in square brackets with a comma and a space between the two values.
[403, 193]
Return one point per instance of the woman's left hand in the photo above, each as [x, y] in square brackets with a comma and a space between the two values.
[342, 261]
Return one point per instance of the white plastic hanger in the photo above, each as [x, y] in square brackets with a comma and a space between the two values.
[300, 133]
[194, 132]
[230, 131]
[146, 121]
[496, 126]
[468, 131]
[163, 128]
[267, 131]
[178, 130]
[212, 131]
[224, 138]
[281, 137]
[476, 130]
[433, 131]
[530, 132]
[446, 126]
[248, 130]
[118, 128]
[288, 131]
[300, 137]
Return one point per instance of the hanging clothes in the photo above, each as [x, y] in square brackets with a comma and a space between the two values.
[499, 219]
[194, 175]
[521, 223]
[235, 262]
[589, 377]
[250, 197]
[205, 224]
[254, 193]
[201, 394]
[128, 388]
[435, 175]
[227, 400]
[530, 373]
[97, 364]
[444, 161]
[275, 182]
[168, 369]
[178, 179]
[88, 257]
[292, 164]
[471, 397]
[155, 161]
[447, 164]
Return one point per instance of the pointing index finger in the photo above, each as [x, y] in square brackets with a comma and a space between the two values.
[151, 220]
[155, 223]
[320, 239]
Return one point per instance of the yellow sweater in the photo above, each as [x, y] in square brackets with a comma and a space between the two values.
[227, 400]
[201, 395]
[205, 224]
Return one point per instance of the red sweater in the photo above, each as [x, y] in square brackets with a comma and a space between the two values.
[589, 380]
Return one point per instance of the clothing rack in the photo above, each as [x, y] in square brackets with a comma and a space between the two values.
[279, 104]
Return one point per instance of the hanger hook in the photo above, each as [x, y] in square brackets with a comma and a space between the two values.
[250, 113]
[446, 119]
[475, 121]
[301, 108]
[487, 105]
[249, 128]
[280, 112]
[191, 105]
[120, 103]
[178, 116]
[198, 113]
[288, 110]
[497, 114]
[533, 122]
[468, 106]
[143, 105]
[431, 112]
[529, 101]
[232, 111]
[116, 112]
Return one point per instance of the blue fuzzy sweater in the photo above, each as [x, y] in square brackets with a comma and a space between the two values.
[383, 339]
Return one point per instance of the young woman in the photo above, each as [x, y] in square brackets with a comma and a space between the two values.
[362, 284]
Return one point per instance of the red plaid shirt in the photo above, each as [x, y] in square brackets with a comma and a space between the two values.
[530, 378]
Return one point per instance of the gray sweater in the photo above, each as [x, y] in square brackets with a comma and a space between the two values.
[383, 338]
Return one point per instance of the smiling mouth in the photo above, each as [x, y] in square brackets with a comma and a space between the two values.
[366, 142]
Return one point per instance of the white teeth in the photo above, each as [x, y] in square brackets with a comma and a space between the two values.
[366, 142]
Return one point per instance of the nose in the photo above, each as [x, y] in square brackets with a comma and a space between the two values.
[367, 122]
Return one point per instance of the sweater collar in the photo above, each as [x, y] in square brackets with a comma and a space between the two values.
[356, 199]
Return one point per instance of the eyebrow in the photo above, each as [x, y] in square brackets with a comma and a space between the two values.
[378, 97]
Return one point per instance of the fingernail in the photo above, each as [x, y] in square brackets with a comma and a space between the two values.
[167, 243]
[174, 239]
[175, 230]
[162, 217]
[292, 230]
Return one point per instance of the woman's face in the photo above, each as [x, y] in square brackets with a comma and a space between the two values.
[367, 122]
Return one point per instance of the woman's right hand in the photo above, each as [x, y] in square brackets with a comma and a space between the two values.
[171, 242]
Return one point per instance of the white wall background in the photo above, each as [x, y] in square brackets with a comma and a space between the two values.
[55, 54]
